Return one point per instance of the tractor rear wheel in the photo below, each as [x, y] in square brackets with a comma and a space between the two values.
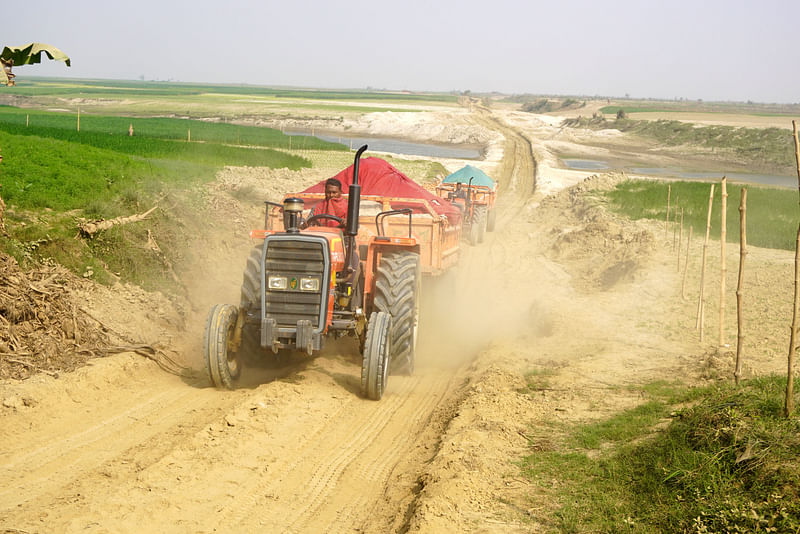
[222, 363]
[491, 219]
[397, 292]
[480, 221]
[375, 359]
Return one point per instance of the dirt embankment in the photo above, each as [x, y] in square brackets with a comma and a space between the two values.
[561, 286]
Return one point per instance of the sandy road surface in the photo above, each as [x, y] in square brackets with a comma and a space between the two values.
[120, 444]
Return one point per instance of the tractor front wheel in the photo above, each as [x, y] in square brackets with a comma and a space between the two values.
[222, 362]
[473, 232]
[375, 360]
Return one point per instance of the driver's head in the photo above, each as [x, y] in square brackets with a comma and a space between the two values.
[333, 188]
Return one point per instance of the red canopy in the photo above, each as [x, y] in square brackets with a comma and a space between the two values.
[378, 177]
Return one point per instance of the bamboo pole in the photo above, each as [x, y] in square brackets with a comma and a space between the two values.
[675, 225]
[788, 406]
[188, 135]
[686, 263]
[680, 241]
[737, 374]
[796, 156]
[27, 120]
[666, 219]
[723, 235]
[699, 322]
[79, 119]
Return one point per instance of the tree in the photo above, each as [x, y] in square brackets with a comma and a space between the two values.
[621, 114]
[28, 54]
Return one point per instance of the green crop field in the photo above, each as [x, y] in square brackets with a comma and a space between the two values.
[772, 213]
[53, 174]
[64, 126]
[106, 88]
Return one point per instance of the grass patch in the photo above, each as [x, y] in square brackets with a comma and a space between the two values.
[726, 464]
[772, 214]
[538, 379]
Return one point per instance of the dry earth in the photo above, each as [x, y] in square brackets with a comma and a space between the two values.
[120, 445]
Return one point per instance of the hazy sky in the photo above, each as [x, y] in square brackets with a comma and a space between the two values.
[714, 50]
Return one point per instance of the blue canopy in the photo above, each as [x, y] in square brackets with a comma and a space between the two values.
[465, 173]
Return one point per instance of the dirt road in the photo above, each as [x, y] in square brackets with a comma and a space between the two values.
[561, 286]
[120, 444]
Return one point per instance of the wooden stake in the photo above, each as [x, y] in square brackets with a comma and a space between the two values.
[796, 156]
[188, 135]
[680, 240]
[675, 226]
[27, 120]
[666, 219]
[737, 374]
[723, 235]
[79, 119]
[686, 263]
[788, 406]
[701, 300]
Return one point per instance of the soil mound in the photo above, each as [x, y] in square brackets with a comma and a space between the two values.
[603, 249]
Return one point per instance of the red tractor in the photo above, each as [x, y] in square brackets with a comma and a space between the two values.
[301, 286]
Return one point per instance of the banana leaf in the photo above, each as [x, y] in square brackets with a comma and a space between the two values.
[28, 54]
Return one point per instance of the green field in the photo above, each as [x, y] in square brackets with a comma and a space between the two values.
[612, 110]
[32, 86]
[64, 126]
[49, 163]
[772, 213]
[54, 176]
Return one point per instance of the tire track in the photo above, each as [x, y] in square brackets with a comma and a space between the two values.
[380, 462]
[317, 469]
[46, 470]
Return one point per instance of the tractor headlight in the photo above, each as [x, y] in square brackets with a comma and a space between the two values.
[277, 282]
[309, 284]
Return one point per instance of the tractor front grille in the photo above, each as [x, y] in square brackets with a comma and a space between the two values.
[296, 258]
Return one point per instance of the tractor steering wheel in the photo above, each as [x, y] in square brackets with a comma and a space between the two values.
[315, 220]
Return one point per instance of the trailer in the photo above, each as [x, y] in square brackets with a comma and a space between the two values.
[474, 192]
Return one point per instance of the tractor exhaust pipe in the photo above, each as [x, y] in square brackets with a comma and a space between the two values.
[353, 202]
[354, 197]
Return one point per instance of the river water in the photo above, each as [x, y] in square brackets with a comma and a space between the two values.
[667, 172]
[396, 146]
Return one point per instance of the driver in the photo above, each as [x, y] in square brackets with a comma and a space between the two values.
[458, 193]
[333, 204]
